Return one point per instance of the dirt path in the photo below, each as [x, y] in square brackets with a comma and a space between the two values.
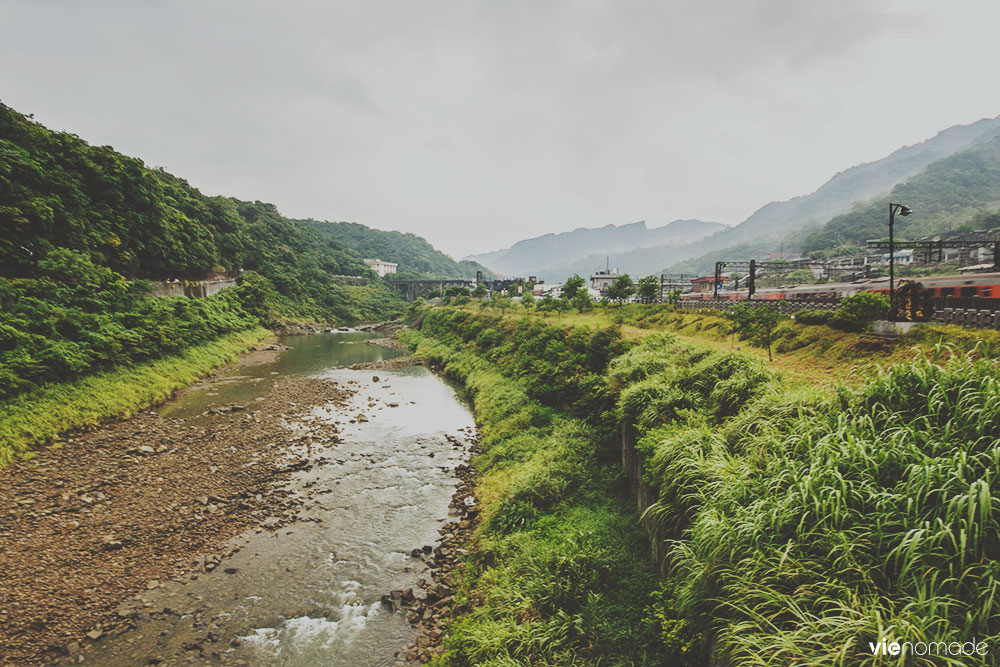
[87, 529]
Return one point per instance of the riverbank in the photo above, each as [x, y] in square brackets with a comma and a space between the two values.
[47, 414]
[792, 523]
[114, 514]
[433, 604]
[556, 569]
[805, 354]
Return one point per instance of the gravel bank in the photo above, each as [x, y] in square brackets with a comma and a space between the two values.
[87, 529]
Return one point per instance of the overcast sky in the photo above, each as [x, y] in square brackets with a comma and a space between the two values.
[477, 124]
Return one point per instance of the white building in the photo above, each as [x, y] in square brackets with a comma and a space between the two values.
[380, 267]
[602, 280]
[904, 257]
[547, 289]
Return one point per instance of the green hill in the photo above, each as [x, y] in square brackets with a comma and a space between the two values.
[81, 226]
[415, 256]
[790, 224]
[947, 194]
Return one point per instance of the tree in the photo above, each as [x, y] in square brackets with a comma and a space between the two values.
[621, 289]
[801, 277]
[581, 301]
[755, 323]
[480, 291]
[500, 302]
[674, 296]
[649, 289]
[547, 304]
[856, 312]
[572, 287]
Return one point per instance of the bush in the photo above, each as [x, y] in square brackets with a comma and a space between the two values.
[856, 312]
[814, 316]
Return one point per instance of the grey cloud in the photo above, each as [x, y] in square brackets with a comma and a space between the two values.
[471, 123]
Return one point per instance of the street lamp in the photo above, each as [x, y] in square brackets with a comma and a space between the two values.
[904, 211]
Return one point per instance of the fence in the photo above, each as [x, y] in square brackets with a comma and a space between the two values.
[980, 312]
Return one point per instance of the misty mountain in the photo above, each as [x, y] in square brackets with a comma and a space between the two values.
[583, 250]
[788, 223]
[945, 195]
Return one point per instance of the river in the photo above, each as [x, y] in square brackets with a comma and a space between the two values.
[308, 593]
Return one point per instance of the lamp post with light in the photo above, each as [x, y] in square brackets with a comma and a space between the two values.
[904, 211]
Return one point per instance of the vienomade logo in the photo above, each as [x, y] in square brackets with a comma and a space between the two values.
[930, 648]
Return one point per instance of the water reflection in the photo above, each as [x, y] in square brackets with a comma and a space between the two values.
[308, 594]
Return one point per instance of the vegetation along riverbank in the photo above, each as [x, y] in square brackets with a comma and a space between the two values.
[85, 230]
[795, 522]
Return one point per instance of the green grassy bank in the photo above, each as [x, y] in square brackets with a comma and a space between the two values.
[559, 572]
[42, 415]
[801, 523]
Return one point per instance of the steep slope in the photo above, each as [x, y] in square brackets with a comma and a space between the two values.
[80, 223]
[415, 256]
[946, 194]
[787, 223]
[58, 191]
[557, 256]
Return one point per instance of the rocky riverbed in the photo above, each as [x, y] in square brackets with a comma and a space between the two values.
[257, 519]
[432, 605]
[94, 526]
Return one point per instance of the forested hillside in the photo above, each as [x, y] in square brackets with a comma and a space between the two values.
[81, 226]
[840, 208]
[947, 194]
[56, 190]
[415, 256]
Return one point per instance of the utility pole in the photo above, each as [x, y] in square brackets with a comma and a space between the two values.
[903, 211]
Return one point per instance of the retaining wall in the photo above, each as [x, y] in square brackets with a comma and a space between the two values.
[193, 289]
[781, 306]
[967, 317]
[633, 462]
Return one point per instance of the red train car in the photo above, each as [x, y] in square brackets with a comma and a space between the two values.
[972, 285]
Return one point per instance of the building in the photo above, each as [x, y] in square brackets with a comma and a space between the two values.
[547, 289]
[903, 257]
[602, 280]
[706, 284]
[380, 267]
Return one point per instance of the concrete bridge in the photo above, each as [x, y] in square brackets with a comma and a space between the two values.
[414, 287]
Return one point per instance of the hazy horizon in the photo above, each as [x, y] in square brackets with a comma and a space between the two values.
[479, 125]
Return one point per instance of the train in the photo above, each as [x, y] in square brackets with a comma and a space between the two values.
[986, 285]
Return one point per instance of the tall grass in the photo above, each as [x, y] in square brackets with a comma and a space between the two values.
[43, 415]
[559, 570]
[802, 523]
[808, 523]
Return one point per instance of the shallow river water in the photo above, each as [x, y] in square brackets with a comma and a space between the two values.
[308, 593]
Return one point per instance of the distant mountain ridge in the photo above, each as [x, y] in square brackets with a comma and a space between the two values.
[558, 256]
[787, 223]
[807, 222]
[948, 193]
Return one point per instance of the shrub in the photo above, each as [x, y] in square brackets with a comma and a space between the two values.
[856, 312]
[814, 316]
